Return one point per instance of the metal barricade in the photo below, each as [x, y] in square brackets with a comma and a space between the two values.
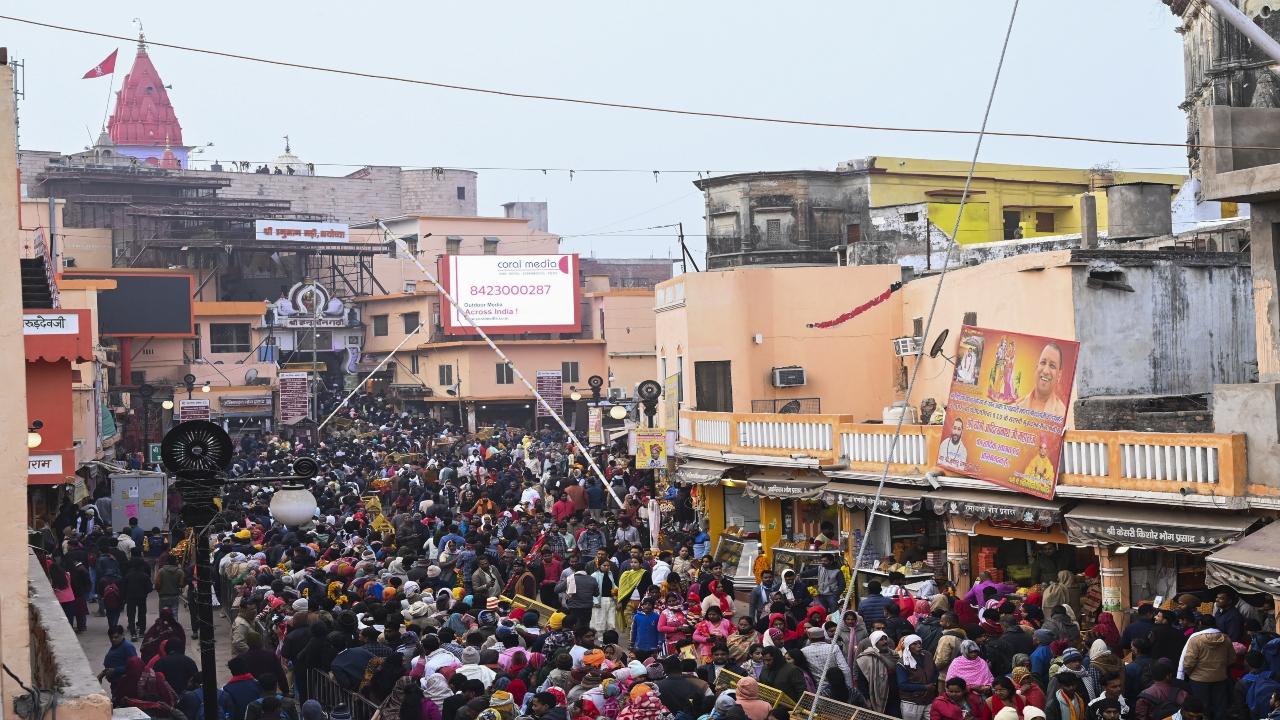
[322, 688]
[772, 695]
[828, 709]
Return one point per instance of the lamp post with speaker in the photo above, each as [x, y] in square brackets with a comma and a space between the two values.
[197, 453]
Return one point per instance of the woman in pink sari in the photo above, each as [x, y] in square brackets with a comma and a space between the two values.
[672, 623]
[971, 668]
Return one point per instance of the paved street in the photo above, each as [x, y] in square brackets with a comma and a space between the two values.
[95, 642]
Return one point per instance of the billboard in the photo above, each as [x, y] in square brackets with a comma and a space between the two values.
[166, 297]
[1007, 409]
[513, 293]
[651, 449]
[304, 231]
[550, 386]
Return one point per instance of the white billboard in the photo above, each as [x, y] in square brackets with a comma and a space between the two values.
[513, 293]
[304, 231]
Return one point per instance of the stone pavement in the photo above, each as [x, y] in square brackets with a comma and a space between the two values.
[95, 643]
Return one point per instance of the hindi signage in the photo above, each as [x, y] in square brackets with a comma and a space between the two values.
[51, 324]
[304, 231]
[294, 401]
[550, 386]
[1007, 409]
[651, 448]
[595, 426]
[193, 410]
[262, 402]
[308, 322]
[44, 465]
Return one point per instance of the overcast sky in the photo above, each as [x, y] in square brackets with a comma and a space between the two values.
[1110, 68]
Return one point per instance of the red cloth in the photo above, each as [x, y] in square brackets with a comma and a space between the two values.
[944, 709]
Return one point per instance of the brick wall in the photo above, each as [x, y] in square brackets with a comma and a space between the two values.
[431, 192]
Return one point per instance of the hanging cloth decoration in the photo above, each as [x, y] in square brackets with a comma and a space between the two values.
[845, 317]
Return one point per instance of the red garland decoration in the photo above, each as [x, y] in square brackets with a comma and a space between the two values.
[845, 317]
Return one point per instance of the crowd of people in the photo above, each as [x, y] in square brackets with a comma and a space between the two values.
[494, 576]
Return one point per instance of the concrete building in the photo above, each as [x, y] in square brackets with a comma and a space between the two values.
[880, 210]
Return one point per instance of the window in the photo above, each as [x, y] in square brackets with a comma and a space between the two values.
[852, 233]
[490, 245]
[323, 338]
[569, 372]
[680, 381]
[970, 319]
[379, 325]
[229, 338]
[446, 375]
[462, 192]
[911, 217]
[197, 350]
[1044, 222]
[917, 327]
[413, 364]
[773, 231]
[410, 322]
[1012, 224]
[453, 245]
[714, 385]
[505, 376]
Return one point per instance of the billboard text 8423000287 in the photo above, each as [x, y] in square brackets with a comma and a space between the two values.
[1007, 409]
[513, 293]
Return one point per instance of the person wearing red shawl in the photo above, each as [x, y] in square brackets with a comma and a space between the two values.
[142, 687]
[716, 590]
[672, 623]
[1106, 630]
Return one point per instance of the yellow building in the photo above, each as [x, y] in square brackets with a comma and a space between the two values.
[896, 210]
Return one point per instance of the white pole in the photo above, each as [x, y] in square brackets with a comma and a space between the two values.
[1247, 27]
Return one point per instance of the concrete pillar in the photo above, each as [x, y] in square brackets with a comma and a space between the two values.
[1088, 221]
[1264, 254]
[1114, 572]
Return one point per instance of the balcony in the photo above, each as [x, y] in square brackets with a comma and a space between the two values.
[1189, 467]
[57, 661]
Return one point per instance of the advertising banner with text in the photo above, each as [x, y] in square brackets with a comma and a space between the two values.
[1007, 409]
[513, 293]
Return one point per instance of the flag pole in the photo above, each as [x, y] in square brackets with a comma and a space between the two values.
[106, 111]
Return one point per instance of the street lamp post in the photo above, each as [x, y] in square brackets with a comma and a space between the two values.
[145, 392]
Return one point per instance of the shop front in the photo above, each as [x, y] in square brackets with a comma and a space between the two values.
[242, 415]
[1012, 538]
[1151, 555]
[904, 536]
[1250, 565]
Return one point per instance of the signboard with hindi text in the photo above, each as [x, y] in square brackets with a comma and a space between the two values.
[294, 401]
[1007, 409]
[299, 230]
[595, 426]
[550, 386]
[193, 410]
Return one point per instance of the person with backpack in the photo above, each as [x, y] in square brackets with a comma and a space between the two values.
[1162, 698]
[136, 586]
[107, 570]
[169, 581]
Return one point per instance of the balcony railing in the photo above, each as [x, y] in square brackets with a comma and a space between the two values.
[1138, 461]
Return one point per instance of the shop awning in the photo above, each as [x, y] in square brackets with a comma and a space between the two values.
[896, 500]
[786, 484]
[701, 472]
[998, 506]
[1251, 565]
[1154, 528]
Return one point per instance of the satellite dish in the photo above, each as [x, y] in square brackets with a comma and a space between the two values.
[250, 375]
[196, 446]
[789, 408]
[936, 348]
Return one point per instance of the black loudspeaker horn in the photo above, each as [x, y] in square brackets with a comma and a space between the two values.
[306, 467]
[196, 446]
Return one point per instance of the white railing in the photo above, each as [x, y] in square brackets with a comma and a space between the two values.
[1178, 463]
[686, 428]
[1085, 458]
[711, 430]
[911, 449]
[776, 435]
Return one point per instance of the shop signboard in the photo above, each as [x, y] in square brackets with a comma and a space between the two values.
[595, 426]
[193, 410]
[294, 400]
[294, 230]
[550, 386]
[1192, 537]
[1007, 409]
[651, 449]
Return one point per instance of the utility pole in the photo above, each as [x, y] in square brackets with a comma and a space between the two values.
[684, 268]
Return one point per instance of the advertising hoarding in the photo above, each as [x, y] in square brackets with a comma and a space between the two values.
[513, 293]
[651, 449]
[303, 231]
[295, 402]
[1007, 409]
[166, 297]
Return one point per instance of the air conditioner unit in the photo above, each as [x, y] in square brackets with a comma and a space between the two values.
[617, 393]
[904, 346]
[792, 376]
[410, 287]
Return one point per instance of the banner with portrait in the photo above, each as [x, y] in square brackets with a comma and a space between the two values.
[1007, 409]
[651, 448]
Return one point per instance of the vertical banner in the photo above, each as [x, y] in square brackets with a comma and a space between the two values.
[595, 426]
[551, 387]
[651, 448]
[294, 403]
[1007, 409]
[655, 522]
[671, 401]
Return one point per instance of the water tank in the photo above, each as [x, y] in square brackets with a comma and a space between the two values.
[1139, 210]
[899, 409]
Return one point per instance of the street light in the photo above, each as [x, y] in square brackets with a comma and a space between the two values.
[167, 404]
[205, 388]
[575, 395]
[293, 505]
[34, 438]
[617, 412]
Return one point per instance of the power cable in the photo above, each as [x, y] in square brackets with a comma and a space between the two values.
[915, 373]
[626, 105]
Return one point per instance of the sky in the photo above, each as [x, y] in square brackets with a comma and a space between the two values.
[1102, 68]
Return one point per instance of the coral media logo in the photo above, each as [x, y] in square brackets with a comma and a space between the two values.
[564, 264]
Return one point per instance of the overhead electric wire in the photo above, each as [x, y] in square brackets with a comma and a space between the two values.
[915, 373]
[626, 105]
